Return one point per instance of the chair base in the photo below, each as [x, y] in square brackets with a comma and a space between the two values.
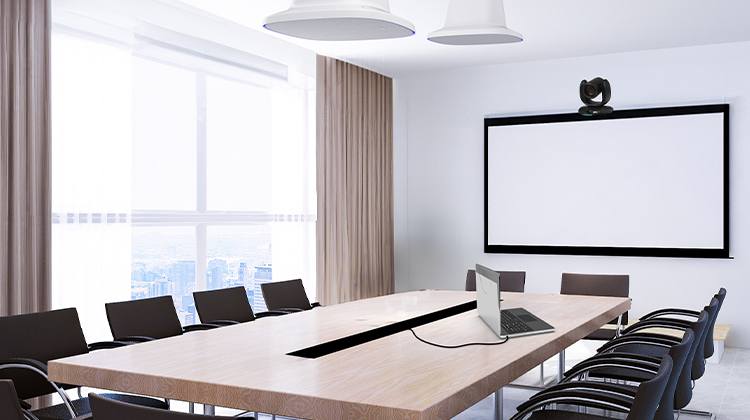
[710, 415]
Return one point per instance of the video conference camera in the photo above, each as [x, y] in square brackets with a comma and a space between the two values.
[589, 91]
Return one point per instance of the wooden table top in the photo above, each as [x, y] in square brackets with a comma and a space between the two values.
[245, 366]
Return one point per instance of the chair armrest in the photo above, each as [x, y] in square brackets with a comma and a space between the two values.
[671, 311]
[40, 369]
[580, 397]
[608, 357]
[224, 322]
[289, 310]
[655, 340]
[616, 362]
[316, 305]
[604, 387]
[270, 313]
[19, 362]
[675, 324]
[133, 339]
[199, 327]
[103, 345]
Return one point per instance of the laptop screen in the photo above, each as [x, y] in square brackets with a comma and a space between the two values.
[488, 297]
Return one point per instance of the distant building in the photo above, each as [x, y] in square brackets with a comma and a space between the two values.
[245, 278]
[243, 273]
[263, 274]
[161, 287]
[182, 274]
[215, 279]
[217, 269]
[187, 302]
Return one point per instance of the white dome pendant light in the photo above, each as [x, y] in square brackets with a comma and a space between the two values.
[475, 22]
[339, 20]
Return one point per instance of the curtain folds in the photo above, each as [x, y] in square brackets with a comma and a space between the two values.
[25, 195]
[355, 183]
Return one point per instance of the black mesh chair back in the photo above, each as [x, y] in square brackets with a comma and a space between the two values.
[153, 317]
[471, 281]
[699, 362]
[679, 354]
[288, 294]
[649, 393]
[708, 349]
[510, 281]
[228, 304]
[9, 405]
[684, 392]
[617, 285]
[107, 409]
[41, 336]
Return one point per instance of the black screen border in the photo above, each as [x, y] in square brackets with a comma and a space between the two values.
[600, 250]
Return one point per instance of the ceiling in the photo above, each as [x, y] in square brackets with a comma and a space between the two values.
[551, 29]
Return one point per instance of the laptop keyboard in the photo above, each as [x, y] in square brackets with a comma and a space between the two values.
[511, 324]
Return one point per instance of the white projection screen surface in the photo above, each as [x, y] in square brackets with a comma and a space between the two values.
[650, 182]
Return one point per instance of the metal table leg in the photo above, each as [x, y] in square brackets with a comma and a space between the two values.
[499, 404]
[209, 410]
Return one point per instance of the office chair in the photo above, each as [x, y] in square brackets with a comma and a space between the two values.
[672, 313]
[10, 406]
[706, 340]
[652, 345]
[287, 296]
[146, 320]
[105, 409]
[617, 285]
[28, 342]
[549, 404]
[605, 366]
[510, 281]
[227, 306]
[633, 334]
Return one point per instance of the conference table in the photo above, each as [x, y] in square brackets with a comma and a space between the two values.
[247, 366]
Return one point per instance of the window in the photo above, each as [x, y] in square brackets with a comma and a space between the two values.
[175, 171]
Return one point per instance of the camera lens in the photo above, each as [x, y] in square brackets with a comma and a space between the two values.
[591, 90]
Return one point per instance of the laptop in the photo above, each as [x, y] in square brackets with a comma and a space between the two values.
[516, 322]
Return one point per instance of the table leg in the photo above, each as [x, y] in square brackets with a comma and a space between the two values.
[561, 366]
[209, 410]
[499, 404]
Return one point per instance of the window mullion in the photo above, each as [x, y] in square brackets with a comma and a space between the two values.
[201, 257]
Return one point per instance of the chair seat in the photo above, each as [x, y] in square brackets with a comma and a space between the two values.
[59, 411]
[562, 415]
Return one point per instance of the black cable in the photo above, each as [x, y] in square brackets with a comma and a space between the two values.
[458, 346]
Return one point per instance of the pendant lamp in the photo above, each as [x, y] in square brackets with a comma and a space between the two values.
[339, 20]
[475, 22]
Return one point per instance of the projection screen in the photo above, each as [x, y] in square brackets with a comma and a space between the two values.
[649, 182]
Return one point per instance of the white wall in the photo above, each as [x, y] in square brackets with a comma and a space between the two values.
[439, 170]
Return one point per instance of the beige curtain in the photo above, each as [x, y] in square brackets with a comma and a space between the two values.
[25, 219]
[355, 183]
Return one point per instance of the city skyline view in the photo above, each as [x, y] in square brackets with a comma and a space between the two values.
[163, 263]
